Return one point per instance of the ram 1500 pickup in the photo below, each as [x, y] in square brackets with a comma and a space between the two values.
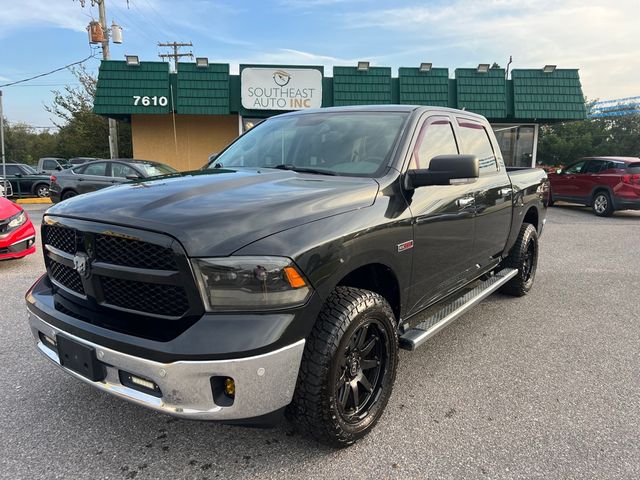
[285, 276]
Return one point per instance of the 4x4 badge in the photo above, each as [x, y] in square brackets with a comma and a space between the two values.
[405, 246]
[81, 264]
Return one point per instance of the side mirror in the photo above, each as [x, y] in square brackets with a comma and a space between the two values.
[133, 176]
[58, 168]
[559, 171]
[445, 170]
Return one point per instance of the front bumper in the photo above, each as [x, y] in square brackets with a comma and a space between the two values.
[18, 243]
[263, 383]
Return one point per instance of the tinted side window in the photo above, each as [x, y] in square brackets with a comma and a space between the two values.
[121, 170]
[11, 169]
[594, 166]
[49, 164]
[435, 138]
[99, 168]
[475, 141]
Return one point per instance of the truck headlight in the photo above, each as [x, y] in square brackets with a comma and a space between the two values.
[250, 283]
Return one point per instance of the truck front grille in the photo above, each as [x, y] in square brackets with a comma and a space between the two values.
[120, 269]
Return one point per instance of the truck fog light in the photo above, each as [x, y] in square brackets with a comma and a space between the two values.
[138, 383]
[143, 383]
[229, 387]
[47, 340]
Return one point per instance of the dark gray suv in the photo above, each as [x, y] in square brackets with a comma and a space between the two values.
[103, 173]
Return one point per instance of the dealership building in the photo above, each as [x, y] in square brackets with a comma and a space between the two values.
[182, 118]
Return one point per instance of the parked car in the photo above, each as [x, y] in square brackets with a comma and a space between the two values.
[606, 184]
[104, 173]
[17, 235]
[289, 277]
[25, 180]
[51, 165]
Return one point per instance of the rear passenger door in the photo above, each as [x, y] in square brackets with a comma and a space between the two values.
[443, 217]
[492, 191]
[94, 176]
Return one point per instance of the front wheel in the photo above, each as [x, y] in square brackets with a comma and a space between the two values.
[524, 258]
[348, 368]
[602, 205]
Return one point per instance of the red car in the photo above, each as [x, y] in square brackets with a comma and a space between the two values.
[17, 235]
[606, 184]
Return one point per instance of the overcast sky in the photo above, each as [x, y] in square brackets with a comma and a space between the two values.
[599, 38]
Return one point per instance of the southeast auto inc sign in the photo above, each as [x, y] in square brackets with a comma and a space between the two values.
[281, 88]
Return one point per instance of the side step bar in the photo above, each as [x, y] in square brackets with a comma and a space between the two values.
[419, 334]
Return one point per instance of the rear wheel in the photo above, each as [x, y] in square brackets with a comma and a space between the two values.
[69, 194]
[524, 258]
[348, 368]
[602, 205]
[41, 190]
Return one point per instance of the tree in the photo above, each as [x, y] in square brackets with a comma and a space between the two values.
[563, 143]
[83, 133]
[25, 144]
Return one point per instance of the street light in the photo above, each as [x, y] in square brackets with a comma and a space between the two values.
[425, 67]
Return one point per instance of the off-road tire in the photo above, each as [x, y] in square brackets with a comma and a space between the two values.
[525, 249]
[602, 205]
[316, 409]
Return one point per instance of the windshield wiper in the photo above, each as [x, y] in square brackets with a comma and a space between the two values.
[293, 168]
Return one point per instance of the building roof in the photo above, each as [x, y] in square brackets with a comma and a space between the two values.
[529, 96]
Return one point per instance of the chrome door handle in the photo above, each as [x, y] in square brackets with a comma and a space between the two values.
[464, 202]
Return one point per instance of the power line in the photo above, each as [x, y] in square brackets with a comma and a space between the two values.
[48, 73]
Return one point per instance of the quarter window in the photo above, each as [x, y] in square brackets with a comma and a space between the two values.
[435, 138]
[475, 141]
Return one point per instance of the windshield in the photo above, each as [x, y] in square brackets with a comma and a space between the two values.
[29, 169]
[338, 143]
[154, 169]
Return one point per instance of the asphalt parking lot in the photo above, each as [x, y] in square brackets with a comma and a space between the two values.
[546, 386]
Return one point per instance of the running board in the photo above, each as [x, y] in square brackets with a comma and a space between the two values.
[419, 334]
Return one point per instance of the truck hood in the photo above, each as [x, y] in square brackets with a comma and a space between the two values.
[215, 212]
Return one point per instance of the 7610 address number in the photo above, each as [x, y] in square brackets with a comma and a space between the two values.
[147, 101]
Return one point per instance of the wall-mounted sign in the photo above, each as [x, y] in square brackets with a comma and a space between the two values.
[281, 88]
[147, 101]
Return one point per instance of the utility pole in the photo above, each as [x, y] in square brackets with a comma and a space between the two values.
[4, 166]
[113, 125]
[175, 55]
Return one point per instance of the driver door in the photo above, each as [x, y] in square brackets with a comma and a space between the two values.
[565, 184]
[443, 220]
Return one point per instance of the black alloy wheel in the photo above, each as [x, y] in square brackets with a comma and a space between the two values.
[361, 368]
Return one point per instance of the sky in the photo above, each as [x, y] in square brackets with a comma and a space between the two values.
[598, 38]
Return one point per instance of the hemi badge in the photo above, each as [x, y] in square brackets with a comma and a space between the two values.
[405, 246]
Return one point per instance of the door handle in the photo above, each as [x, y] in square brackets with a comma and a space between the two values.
[503, 192]
[81, 179]
[465, 202]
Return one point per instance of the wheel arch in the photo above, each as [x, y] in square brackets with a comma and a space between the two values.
[600, 188]
[532, 216]
[378, 278]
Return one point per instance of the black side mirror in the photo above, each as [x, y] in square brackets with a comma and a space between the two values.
[58, 168]
[133, 176]
[18, 174]
[445, 170]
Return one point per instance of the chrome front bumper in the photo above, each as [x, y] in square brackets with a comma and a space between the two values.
[263, 383]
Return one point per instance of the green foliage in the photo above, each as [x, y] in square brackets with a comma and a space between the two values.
[81, 133]
[563, 143]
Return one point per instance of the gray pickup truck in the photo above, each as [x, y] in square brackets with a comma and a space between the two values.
[286, 276]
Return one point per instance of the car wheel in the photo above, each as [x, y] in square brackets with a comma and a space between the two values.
[69, 194]
[42, 190]
[348, 368]
[602, 205]
[524, 258]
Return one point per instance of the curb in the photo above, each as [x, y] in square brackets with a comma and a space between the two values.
[33, 200]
